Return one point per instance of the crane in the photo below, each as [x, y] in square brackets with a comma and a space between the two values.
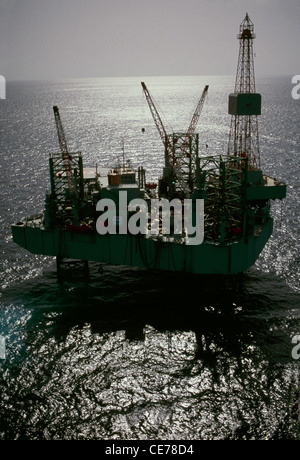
[159, 124]
[195, 119]
[65, 153]
[176, 161]
[165, 139]
[197, 112]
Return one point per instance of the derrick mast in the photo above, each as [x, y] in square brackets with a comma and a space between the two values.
[245, 104]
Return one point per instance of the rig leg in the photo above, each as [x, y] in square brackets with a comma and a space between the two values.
[59, 261]
[86, 267]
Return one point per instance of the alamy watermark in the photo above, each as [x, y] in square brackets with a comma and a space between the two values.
[2, 347]
[296, 348]
[163, 216]
[296, 89]
[2, 87]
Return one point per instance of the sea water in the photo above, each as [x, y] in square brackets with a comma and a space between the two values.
[128, 354]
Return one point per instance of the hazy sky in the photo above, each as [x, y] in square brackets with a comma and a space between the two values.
[46, 39]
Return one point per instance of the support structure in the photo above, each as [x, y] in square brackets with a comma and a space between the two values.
[224, 180]
[66, 201]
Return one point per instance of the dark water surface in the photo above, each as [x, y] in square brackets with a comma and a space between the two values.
[132, 354]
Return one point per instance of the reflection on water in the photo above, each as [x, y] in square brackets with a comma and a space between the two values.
[170, 360]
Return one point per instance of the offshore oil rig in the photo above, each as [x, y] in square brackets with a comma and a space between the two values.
[236, 194]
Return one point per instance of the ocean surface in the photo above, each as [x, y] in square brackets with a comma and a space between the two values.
[130, 354]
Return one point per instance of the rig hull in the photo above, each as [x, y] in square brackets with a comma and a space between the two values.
[143, 252]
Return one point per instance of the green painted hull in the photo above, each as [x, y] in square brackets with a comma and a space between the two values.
[139, 251]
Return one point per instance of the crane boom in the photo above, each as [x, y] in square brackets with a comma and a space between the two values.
[194, 121]
[159, 124]
[197, 112]
[165, 139]
[64, 151]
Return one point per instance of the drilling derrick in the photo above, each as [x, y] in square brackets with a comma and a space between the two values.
[245, 104]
